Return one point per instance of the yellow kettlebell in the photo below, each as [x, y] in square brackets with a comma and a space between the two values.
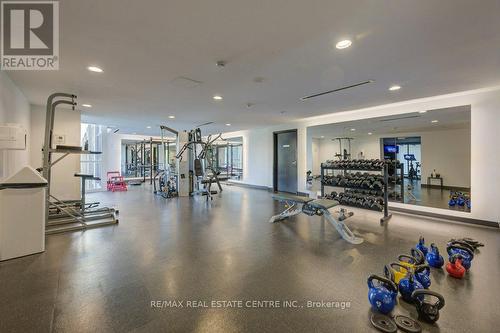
[416, 258]
[395, 271]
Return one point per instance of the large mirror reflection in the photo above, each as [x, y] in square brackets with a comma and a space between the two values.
[430, 153]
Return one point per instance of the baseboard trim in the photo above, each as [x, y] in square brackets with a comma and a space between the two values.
[257, 187]
[445, 187]
[447, 217]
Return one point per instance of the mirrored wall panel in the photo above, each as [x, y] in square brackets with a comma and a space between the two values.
[429, 153]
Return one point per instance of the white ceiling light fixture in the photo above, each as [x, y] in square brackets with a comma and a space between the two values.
[353, 129]
[435, 121]
[87, 105]
[394, 88]
[148, 126]
[228, 124]
[370, 133]
[95, 69]
[171, 117]
[343, 44]
[423, 111]
[217, 97]
[322, 136]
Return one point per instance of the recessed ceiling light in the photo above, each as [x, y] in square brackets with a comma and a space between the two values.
[218, 97]
[171, 117]
[228, 124]
[87, 105]
[370, 133]
[435, 121]
[423, 111]
[394, 88]
[95, 69]
[322, 136]
[148, 126]
[343, 44]
[353, 129]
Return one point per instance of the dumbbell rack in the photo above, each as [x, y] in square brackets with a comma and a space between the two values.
[384, 170]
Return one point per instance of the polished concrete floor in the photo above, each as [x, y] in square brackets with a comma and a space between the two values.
[104, 280]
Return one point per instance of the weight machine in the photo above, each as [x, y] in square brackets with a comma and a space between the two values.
[193, 161]
[68, 215]
[344, 153]
[165, 182]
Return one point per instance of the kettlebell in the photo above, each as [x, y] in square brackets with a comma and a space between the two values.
[395, 272]
[452, 202]
[455, 268]
[460, 201]
[408, 285]
[421, 246]
[411, 261]
[434, 258]
[427, 309]
[423, 275]
[382, 296]
[467, 253]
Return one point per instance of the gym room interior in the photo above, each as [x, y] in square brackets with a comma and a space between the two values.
[242, 166]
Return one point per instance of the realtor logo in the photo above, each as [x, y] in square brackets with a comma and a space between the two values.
[30, 35]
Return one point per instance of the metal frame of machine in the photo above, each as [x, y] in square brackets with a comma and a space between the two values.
[69, 215]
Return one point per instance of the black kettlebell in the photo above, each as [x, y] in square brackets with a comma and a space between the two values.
[427, 309]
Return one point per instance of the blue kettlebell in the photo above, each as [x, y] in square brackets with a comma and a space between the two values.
[382, 296]
[462, 248]
[452, 202]
[467, 203]
[423, 275]
[460, 201]
[434, 258]
[408, 285]
[421, 245]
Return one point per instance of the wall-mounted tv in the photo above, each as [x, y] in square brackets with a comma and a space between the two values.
[391, 149]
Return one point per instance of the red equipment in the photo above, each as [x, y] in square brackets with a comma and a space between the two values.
[455, 268]
[116, 182]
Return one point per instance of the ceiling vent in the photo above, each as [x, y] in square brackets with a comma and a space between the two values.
[185, 82]
[337, 90]
[399, 118]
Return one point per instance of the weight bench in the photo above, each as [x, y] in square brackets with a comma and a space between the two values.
[296, 205]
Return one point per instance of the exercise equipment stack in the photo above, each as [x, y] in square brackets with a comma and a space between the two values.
[68, 215]
[411, 277]
[367, 190]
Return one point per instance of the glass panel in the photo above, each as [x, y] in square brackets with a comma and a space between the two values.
[91, 139]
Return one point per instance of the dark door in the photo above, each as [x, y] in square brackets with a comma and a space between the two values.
[285, 157]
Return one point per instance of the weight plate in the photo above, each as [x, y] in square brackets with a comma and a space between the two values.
[407, 324]
[383, 323]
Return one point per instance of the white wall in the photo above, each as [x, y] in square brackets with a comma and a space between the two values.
[449, 153]
[485, 126]
[64, 185]
[446, 150]
[14, 108]
[316, 160]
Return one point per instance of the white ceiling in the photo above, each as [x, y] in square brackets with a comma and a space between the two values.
[427, 47]
[448, 118]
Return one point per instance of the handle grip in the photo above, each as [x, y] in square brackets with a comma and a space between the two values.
[388, 283]
[422, 292]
